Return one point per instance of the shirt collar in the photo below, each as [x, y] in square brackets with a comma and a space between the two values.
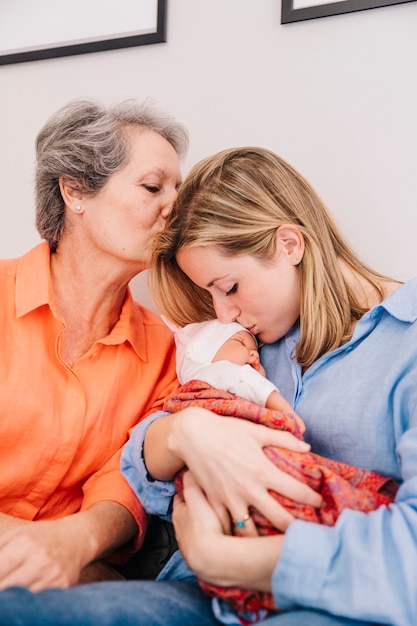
[33, 280]
[402, 303]
[130, 328]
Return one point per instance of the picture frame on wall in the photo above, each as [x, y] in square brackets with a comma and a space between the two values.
[45, 29]
[299, 10]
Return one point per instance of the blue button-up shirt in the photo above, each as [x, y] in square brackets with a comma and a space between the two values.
[359, 404]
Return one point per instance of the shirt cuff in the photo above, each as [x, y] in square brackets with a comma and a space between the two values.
[155, 495]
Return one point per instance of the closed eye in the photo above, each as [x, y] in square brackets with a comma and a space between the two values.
[152, 188]
[232, 290]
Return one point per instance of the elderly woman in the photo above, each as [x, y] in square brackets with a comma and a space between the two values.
[81, 362]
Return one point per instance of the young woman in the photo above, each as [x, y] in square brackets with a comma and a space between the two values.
[251, 241]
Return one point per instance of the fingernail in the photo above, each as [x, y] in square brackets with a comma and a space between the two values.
[304, 446]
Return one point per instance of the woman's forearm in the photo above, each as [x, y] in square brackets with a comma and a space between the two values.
[162, 462]
[8, 521]
[106, 527]
[165, 441]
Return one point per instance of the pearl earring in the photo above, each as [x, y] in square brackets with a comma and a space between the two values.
[77, 207]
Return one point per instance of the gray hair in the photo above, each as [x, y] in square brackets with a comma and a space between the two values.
[88, 143]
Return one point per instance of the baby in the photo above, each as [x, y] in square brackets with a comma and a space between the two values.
[226, 357]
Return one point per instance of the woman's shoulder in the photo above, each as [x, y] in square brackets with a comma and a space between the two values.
[33, 259]
[8, 267]
[401, 300]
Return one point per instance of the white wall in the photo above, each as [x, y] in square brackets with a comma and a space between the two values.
[336, 96]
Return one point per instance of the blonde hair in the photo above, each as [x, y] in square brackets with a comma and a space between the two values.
[236, 200]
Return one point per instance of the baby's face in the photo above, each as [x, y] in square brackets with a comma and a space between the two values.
[241, 349]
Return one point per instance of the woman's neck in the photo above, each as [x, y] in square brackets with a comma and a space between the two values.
[89, 299]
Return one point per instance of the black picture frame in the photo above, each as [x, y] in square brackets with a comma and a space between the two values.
[158, 35]
[290, 14]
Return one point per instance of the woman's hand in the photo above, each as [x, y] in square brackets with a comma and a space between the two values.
[36, 555]
[53, 553]
[225, 456]
[215, 557]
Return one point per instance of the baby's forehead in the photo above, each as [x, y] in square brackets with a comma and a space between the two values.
[199, 342]
[245, 335]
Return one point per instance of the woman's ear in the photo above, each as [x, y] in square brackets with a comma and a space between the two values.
[290, 239]
[70, 191]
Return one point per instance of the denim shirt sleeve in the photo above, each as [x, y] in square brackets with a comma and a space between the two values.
[155, 495]
[364, 567]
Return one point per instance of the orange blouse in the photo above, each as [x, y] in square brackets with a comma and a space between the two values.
[62, 429]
